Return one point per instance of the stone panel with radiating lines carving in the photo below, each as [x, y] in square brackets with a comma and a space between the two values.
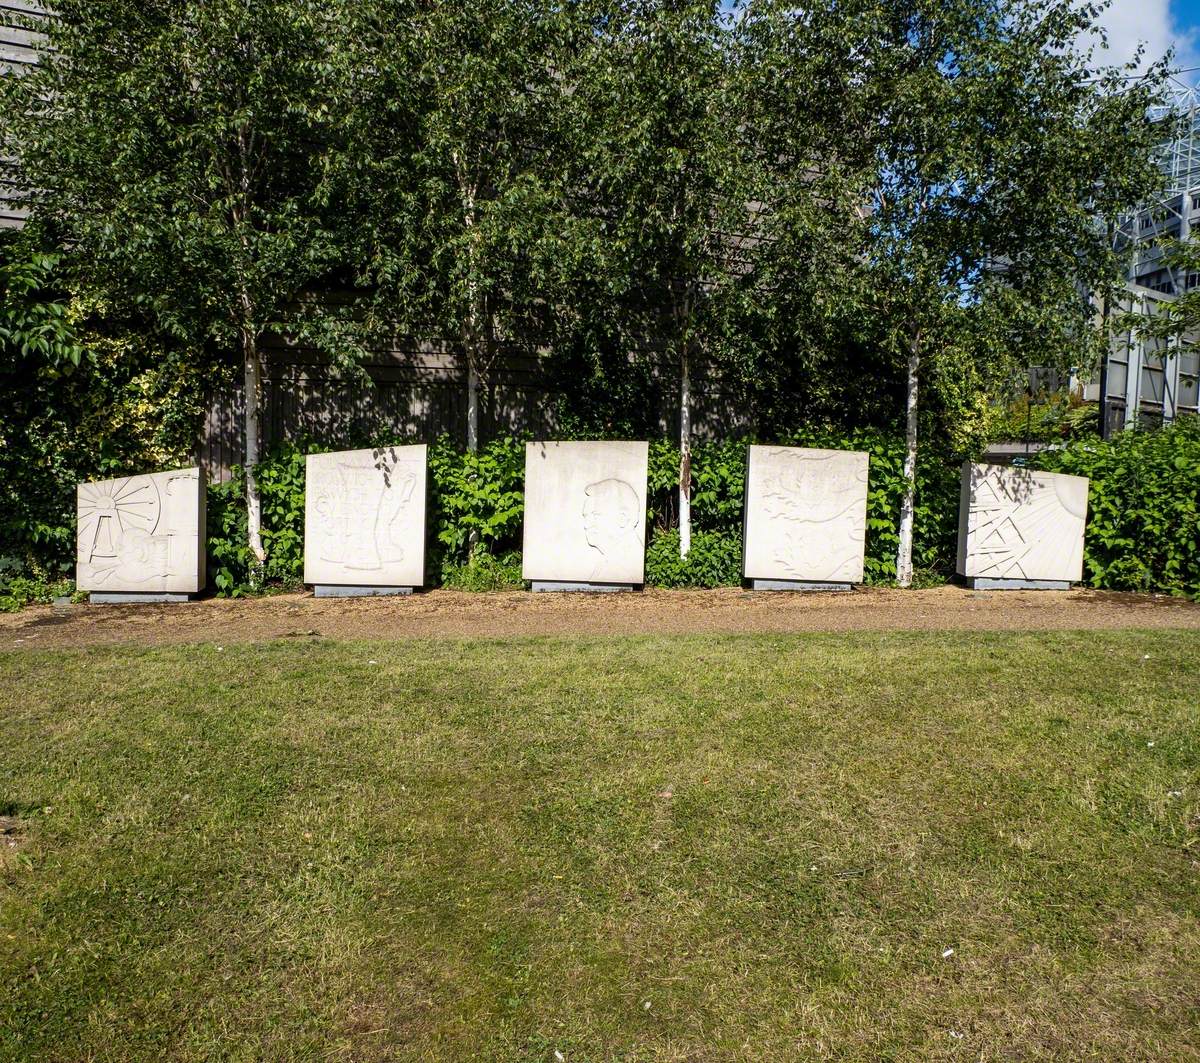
[1021, 524]
[141, 534]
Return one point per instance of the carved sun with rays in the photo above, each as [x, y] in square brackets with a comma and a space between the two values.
[108, 510]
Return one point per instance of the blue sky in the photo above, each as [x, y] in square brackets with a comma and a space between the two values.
[1159, 24]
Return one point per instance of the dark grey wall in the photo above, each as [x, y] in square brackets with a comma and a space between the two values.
[420, 394]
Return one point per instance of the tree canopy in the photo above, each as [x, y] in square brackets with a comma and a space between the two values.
[862, 212]
[999, 151]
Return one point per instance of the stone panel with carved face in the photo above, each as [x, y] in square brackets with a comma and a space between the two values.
[585, 512]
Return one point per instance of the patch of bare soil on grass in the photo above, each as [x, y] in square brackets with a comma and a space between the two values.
[12, 837]
[457, 614]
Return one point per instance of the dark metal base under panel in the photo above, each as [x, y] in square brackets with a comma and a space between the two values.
[345, 590]
[795, 585]
[583, 587]
[135, 597]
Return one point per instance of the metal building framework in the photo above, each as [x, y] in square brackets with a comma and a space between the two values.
[1173, 211]
[1151, 380]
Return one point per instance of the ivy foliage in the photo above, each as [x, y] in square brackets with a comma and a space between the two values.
[1143, 529]
[84, 398]
[33, 327]
[17, 589]
[715, 560]
[485, 572]
[1045, 419]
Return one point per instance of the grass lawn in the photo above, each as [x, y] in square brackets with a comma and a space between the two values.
[701, 848]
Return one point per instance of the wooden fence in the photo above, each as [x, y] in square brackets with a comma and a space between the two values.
[421, 394]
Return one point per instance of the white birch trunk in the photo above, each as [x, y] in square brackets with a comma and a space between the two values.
[252, 364]
[904, 562]
[685, 458]
[253, 383]
[472, 407]
[472, 331]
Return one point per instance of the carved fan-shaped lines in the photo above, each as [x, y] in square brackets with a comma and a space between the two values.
[89, 517]
[1007, 538]
[131, 503]
[993, 522]
[146, 512]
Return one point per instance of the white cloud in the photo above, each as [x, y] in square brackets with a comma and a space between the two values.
[1149, 22]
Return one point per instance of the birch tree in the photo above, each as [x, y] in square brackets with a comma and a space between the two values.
[657, 146]
[180, 151]
[466, 234]
[999, 146]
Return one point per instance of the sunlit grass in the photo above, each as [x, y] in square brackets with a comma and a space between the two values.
[754, 848]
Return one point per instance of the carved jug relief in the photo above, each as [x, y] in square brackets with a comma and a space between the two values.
[365, 517]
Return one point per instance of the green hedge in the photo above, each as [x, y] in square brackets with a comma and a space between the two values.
[1143, 528]
[1143, 523]
[714, 560]
[477, 507]
[18, 589]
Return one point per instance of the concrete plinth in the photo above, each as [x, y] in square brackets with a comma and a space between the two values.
[796, 585]
[581, 587]
[134, 598]
[341, 590]
[979, 583]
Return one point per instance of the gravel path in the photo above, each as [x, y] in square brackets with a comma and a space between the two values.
[455, 614]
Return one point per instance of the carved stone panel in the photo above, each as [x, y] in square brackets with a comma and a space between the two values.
[806, 515]
[364, 517]
[141, 534]
[1019, 524]
[585, 512]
